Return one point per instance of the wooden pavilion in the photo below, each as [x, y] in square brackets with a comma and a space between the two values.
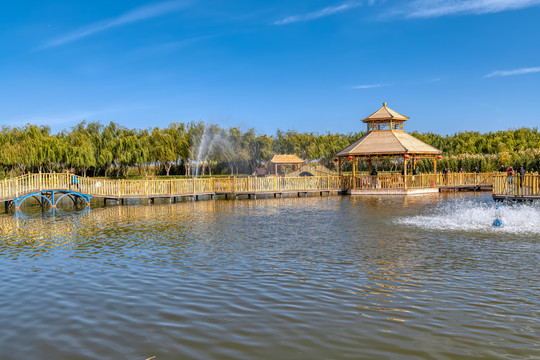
[387, 139]
[279, 161]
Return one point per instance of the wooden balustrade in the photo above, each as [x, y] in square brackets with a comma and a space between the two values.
[10, 188]
[527, 185]
[398, 181]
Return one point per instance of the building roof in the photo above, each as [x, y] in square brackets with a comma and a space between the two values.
[286, 159]
[388, 142]
[385, 114]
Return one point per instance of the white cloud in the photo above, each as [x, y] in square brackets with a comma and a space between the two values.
[514, 72]
[369, 86]
[63, 120]
[436, 8]
[135, 15]
[327, 11]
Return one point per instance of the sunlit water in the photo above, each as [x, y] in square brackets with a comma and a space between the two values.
[470, 215]
[422, 277]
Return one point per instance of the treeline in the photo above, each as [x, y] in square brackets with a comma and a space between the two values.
[487, 151]
[95, 149]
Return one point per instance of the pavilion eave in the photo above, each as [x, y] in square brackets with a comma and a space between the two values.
[391, 154]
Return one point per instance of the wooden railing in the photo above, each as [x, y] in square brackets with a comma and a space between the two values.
[398, 181]
[516, 185]
[11, 188]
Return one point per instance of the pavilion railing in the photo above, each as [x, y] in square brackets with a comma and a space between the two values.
[398, 181]
[516, 185]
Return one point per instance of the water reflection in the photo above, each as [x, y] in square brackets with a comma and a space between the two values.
[335, 277]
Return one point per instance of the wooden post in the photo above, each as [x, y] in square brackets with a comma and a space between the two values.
[354, 173]
[339, 166]
[370, 166]
[405, 161]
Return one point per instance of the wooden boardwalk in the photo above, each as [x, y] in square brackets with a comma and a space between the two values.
[43, 186]
[121, 190]
[516, 188]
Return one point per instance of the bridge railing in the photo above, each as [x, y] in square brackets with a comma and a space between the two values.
[516, 185]
[465, 179]
[11, 188]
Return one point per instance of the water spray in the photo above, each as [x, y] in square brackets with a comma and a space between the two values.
[498, 216]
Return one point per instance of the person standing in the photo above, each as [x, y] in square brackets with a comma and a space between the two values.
[446, 173]
[510, 174]
[374, 180]
[74, 181]
[502, 169]
[521, 176]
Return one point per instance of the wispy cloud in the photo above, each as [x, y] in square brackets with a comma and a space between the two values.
[514, 72]
[64, 119]
[130, 17]
[368, 86]
[327, 11]
[57, 121]
[436, 8]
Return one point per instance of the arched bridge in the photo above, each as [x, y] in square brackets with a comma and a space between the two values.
[52, 197]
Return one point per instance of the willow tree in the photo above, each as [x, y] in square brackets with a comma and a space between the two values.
[81, 154]
[163, 148]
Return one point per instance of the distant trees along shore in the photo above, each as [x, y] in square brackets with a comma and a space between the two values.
[94, 149]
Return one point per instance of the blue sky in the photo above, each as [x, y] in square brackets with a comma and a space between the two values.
[312, 65]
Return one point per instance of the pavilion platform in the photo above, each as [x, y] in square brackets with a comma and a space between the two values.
[399, 191]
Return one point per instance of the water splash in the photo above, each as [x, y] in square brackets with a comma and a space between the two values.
[211, 143]
[475, 216]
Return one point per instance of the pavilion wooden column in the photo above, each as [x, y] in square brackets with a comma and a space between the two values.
[354, 173]
[405, 161]
[339, 166]
[435, 166]
[370, 166]
[275, 169]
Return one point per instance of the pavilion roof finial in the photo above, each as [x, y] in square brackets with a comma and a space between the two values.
[385, 114]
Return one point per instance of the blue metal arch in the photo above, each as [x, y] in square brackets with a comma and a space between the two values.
[85, 197]
[17, 202]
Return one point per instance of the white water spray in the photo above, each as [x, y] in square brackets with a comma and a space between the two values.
[210, 144]
[472, 215]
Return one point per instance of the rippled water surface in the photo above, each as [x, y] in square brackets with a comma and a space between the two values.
[423, 277]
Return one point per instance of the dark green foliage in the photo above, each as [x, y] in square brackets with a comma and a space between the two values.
[114, 150]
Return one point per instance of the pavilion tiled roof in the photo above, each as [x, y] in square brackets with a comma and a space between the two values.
[388, 142]
[385, 114]
[386, 139]
[286, 159]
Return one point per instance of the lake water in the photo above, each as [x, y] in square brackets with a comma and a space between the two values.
[419, 277]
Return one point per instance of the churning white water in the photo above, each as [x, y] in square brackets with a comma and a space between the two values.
[474, 215]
